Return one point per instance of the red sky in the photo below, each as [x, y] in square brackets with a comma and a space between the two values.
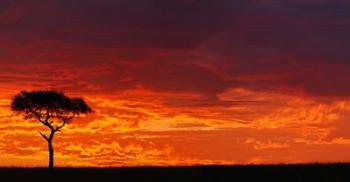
[180, 82]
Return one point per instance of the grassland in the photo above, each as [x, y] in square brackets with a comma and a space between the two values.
[281, 173]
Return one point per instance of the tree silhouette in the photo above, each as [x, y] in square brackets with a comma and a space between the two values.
[51, 108]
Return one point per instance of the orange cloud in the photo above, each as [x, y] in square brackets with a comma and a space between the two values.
[196, 87]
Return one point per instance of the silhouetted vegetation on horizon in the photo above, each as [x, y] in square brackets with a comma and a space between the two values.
[296, 172]
[51, 108]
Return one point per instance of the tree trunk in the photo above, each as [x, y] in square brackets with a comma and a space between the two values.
[51, 155]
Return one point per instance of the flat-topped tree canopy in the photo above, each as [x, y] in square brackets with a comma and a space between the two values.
[49, 104]
[52, 108]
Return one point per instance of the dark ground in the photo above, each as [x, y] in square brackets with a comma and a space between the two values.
[282, 173]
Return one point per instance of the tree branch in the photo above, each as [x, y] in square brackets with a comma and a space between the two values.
[38, 116]
[44, 136]
[46, 122]
[65, 121]
[47, 116]
[60, 127]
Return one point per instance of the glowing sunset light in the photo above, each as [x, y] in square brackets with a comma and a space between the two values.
[179, 82]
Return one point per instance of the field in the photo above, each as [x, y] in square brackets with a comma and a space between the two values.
[282, 173]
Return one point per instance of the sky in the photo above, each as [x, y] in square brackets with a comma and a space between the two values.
[180, 82]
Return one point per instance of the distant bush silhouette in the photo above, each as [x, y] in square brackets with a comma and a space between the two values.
[51, 108]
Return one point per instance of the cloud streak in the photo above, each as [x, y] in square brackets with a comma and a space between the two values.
[268, 78]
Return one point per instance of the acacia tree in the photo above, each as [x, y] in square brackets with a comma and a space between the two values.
[51, 108]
